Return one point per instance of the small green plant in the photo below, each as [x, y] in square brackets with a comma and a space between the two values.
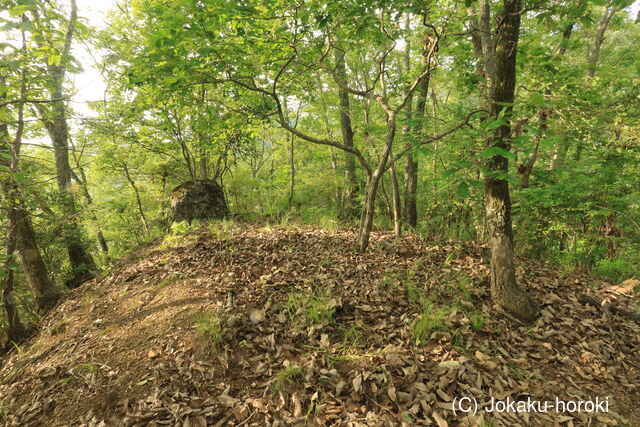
[222, 229]
[288, 377]
[450, 256]
[431, 320]
[166, 282]
[315, 308]
[388, 281]
[414, 295]
[176, 233]
[463, 282]
[209, 326]
[352, 336]
[88, 367]
[477, 321]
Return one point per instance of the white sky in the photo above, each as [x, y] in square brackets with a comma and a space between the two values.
[89, 84]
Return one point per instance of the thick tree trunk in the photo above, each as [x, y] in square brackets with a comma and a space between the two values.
[16, 332]
[350, 201]
[45, 293]
[504, 289]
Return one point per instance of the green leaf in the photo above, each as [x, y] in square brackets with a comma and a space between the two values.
[20, 177]
[536, 99]
[54, 59]
[19, 10]
[495, 124]
[463, 190]
[497, 151]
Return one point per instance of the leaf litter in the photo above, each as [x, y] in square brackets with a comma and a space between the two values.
[290, 326]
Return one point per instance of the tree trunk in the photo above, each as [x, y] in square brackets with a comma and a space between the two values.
[81, 261]
[395, 195]
[292, 171]
[350, 202]
[143, 217]
[526, 167]
[45, 293]
[82, 179]
[504, 288]
[560, 147]
[411, 168]
[607, 14]
[368, 211]
[16, 332]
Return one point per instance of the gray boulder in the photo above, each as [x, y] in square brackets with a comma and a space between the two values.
[200, 199]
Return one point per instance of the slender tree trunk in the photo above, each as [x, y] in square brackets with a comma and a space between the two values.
[504, 288]
[526, 167]
[560, 148]
[566, 36]
[54, 119]
[82, 179]
[350, 202]
[368, 212]
[292, 171]
[488, 48]
[143, 218]
[104, 247]
[594, 54]
[395, 197]
[203, 166]
[45, 293]
[484, 71]
[410, 131]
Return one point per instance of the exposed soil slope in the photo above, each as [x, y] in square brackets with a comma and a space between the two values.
[267, 326]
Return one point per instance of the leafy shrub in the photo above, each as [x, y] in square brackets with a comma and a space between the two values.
[615, 269]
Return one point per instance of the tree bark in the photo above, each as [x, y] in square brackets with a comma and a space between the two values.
[560, 148]
[16, 331]
[607, 14]
[366, 219]
[410, 131]
[45, 293]
[82, 179]
[350, 202]
[504, 288]
[143, 217]
[395, 195]
[55, 122]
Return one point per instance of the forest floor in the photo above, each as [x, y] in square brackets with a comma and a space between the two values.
[239, 324]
